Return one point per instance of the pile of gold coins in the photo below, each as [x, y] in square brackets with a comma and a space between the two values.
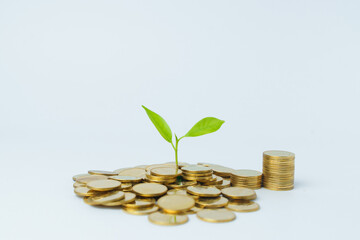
[278, 170]
[168, 194]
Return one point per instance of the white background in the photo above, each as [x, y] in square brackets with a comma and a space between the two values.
[282, 74]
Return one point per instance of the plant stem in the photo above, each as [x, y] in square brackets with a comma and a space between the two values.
[176, 153]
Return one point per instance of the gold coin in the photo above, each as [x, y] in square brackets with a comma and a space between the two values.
[149, 189]
[221, 170]
[141, 211]
[103, 185]
[177, 192]
[217, 202]
[203, 191]
[176, 203]
[135, 172]
[150, 167]
[126, 179]
[167, 219]
[245, 206]
[182, 184]
[101, 172]
[125, 186]
[83, 191]
[166, 171]
[225, 184]
[129, 197]
[89, 178]
[197, 178]
[246, 173]
[194, 210]
[119, 170]
[141, 203]
[89, 200]
[77, 184]
[278, 154]
[239, 193]
[109, 197]
[195, 169]
[80, 175]
[216, 215]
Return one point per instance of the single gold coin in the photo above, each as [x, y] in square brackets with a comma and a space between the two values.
[77, 184]
[167, 219]
[83, 191]
[135, 172]
[165, 171]
[177, 192]
[221, 170]
[176, 203]
[245, 206]
[109, 197]
[101, 172]
[246, 173]
[217, 202]
[141, 211]
[225, 184]
[203, 191]
[194, 210]
[278, 154]
[149, 189]
[141, 203]
[195, 169]
[103, 185]
[89, 178]
[216, 215]
[182, 184]
[126, 179]
[89, 200]
[80, 175]
[239, 193]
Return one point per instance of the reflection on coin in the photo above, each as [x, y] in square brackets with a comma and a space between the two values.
[89, 178]
[149, 189]
[216, 215]
[245, 206]
[126, 179]
[141, 203]
[239, 193]
[109, 197]
[204, 191]
[129, 197]
[167, 219]
[217, 202]
[103, 185]
[176, 203]
[141, 211]
[101, 172]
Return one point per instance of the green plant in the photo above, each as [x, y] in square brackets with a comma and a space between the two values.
[204, 126]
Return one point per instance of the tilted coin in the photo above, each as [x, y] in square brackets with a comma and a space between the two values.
[217, 202]
[77, 184]
[89, 178]
[239, 193]
[103, 185]
[177, 192]
[141, 211]
[80, 175]
[109, 197]
[167, 219]
[125, 186]
[245, 206]
[126, 179]
[83, 191]
[196, 169]
[129, 197]
[141, 203]
[203, 191]
[135, 172]
[176, 203]
[225, 184]
[101, 172]
[149, 189]
[216, 215]
[89, 200]
[165, 171]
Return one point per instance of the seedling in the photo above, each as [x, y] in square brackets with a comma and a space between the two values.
[204, 126]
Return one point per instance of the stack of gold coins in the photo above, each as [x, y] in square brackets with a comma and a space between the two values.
[197, 173]
[246, 178]
[278, 170]
[163, 174]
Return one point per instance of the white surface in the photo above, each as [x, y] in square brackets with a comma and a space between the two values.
[73, 75]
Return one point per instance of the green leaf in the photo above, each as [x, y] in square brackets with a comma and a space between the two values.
[205, 126]
[160, 124]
